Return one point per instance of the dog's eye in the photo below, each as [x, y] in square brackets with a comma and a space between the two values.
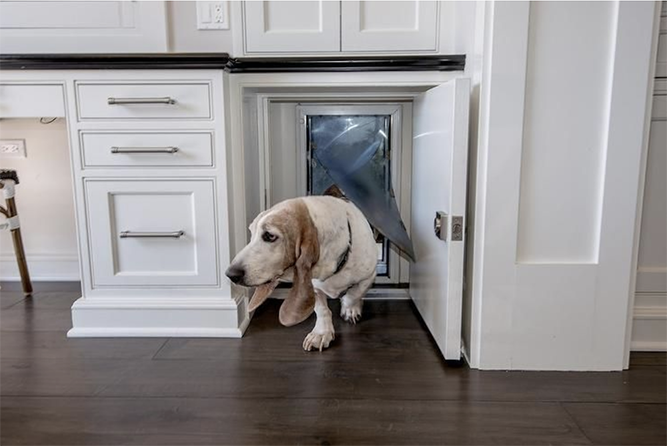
[269, 238]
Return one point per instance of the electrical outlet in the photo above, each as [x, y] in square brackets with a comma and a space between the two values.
[12, 148]
[212, 15]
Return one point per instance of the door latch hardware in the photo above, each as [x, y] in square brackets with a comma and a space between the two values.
[440, 225]
[457, 228]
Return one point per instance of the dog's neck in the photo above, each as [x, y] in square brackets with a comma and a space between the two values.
[342, 260]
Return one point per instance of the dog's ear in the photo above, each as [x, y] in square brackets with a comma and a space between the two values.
[261, 293]
[301, 300]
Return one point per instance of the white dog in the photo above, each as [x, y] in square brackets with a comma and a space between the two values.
[324, 246]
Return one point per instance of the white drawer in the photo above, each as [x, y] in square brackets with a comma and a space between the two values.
[153, 233]
[146, 149]
[144, 101]
[27, 101]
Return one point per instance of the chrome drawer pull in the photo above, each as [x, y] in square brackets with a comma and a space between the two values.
[131, 101]
[144, 150]
[137, 234]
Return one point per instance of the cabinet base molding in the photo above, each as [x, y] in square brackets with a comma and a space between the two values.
[203, 317]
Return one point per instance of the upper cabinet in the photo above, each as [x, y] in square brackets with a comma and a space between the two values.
[389, 26]
[82, 27]
[334, 27]
[292, 26]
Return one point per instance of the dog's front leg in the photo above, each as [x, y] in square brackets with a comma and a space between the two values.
[323, 333]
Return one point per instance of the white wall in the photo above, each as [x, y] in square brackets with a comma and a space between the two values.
[184, 37]
[45, 202]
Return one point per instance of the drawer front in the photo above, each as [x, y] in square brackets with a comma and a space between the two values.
[153, 233]
[144, 101]
[27, 101]
[145, 149]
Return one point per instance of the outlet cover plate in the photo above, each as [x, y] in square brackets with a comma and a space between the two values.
[212, 15]
[12, 148]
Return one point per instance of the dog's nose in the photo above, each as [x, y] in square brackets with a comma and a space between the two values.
[235, 273]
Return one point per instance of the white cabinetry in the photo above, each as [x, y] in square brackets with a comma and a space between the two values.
[150, 182]
[149, 164]
[389, 26]
[82, 26]
[294, 26]
[152, 233]
[349, 26]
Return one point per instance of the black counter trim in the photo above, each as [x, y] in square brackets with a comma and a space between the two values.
[337, 64]
[233, 65]
[151, 61]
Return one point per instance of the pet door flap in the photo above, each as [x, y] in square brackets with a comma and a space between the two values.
[345, 149]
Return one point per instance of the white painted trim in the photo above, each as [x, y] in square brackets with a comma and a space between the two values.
[647, 346]
[157, 317]
[650, 313]
[155, 332]
[642, 183]
[650, 322]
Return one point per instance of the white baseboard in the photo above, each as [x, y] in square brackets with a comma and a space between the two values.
[192, 317]
[42, 267]
[649, 326]
[648, 346]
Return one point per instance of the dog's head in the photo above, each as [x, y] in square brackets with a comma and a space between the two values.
[282, 237]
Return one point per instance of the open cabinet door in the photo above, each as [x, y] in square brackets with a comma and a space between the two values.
[440, 156]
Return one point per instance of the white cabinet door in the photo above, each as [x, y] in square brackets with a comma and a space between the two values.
[152, 233]
[439, 167]
[389, 26]
[82, 26]
[292, 26]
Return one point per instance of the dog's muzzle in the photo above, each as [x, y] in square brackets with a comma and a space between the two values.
[235, 274]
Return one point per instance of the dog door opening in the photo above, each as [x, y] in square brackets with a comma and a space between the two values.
[367, 137]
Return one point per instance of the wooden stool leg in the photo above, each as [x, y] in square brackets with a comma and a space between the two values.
[21, 261]
[18, 247]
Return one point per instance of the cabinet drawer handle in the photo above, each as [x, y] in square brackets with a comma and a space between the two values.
[137, 234]
[144, 150]
[131, 101]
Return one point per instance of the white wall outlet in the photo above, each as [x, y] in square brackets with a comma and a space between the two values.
[212, 15]
[12, 148]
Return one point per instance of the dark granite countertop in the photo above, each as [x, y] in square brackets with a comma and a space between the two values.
[233, 65]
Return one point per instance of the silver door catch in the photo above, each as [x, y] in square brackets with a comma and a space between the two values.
[440, 223]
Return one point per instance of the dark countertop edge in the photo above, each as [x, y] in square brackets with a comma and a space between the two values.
[232, 65]
[149, 61]
[346, 64]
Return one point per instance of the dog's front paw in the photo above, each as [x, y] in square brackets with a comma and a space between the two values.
[351, 313]
[318, 340]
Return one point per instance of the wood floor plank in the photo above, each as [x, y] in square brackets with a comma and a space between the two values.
[621, 424]
[304, 379]
[18, 319]
[10, 298]
[56, 377]
[95, 421]
[648, 359]
[56, 345]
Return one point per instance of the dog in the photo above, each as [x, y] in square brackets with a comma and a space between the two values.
[324, 246]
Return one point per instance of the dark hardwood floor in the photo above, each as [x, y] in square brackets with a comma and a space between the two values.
[381, 382]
